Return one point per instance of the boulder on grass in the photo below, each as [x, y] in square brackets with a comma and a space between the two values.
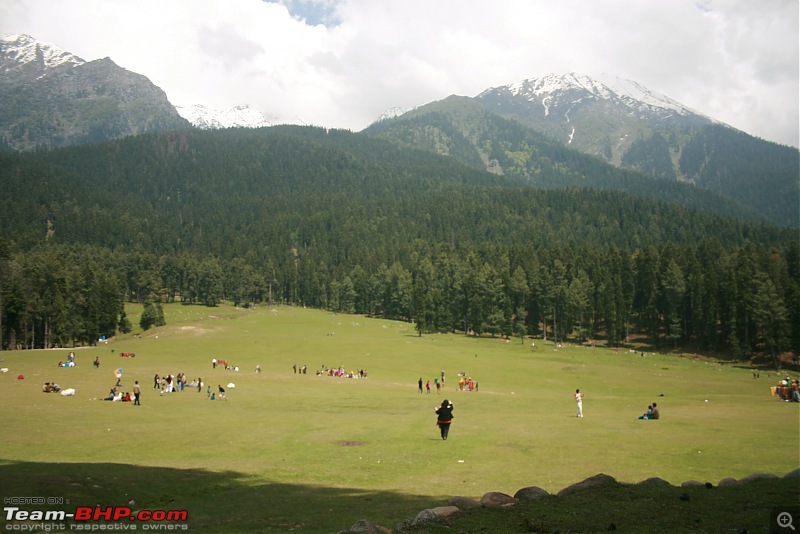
[531, 493]
[495, 498]
[654, 481]
[463, 503]
[757, 476]
[365, 526]
[591, 482]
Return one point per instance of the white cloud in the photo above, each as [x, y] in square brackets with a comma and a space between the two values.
[342, 63]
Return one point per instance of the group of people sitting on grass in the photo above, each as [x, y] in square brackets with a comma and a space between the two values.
[116, 395]
[787, 390]
[51, 388]
[170, 383]
[219, 395]
[70, 361]
[340, 372]
[651, 413]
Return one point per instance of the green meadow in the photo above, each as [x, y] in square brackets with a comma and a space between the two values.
[307, 453]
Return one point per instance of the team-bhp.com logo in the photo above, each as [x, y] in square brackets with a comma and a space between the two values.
[94, 518]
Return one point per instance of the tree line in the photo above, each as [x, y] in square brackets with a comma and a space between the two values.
[707, 298]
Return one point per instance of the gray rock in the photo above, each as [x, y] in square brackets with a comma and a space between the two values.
[365, 526]
[446, 511]
[531, 493]
[463, 503]
[653, 481]
[728, 482]
[495, 498]
[691, 484]
[757, 476]
[792, 474]
[423, 516]
[591, 482]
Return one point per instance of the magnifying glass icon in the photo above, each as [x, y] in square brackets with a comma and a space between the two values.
[785, 520]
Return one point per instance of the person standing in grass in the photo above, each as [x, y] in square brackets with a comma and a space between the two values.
[420, 384]
[136, 392]
[579, 402]
[444, 416]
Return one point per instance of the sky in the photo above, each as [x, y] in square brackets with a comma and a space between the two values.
[342, 63]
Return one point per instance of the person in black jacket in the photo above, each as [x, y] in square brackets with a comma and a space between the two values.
[444, 416]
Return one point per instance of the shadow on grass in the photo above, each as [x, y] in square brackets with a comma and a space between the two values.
[216, 501]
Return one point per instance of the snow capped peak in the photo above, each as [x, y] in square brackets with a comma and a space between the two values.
[625, 88]
[17, 51]
[604, 87]
[556, 82]
[236, 117]
[391, 113]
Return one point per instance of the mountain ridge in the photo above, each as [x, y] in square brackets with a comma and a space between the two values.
[53, 98]
[654, 135]
[207, 118]
[21, 51]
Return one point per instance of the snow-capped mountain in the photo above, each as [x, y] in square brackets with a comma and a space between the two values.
[515, 130]
[52, 98]
[207, 118]
[391, 113]
[601, 115]
[24, 54]
[554, 90]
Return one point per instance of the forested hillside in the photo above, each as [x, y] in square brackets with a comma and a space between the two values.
[711, 166]
[337, 220]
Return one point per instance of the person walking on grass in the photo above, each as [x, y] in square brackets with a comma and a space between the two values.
[444, 416]
[579, 402]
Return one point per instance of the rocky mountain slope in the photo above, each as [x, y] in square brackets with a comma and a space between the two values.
[52, 98]
[505, 130]
[601, 115]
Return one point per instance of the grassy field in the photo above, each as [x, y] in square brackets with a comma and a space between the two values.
[306, 453]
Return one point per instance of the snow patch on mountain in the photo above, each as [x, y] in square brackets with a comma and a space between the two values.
[391, 113]
[20, 50]
[629, 89]
[207, 118]
[629, 93]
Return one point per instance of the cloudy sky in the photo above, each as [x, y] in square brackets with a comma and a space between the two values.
[341, 63]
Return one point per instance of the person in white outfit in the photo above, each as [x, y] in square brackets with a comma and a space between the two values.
[579, 402]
